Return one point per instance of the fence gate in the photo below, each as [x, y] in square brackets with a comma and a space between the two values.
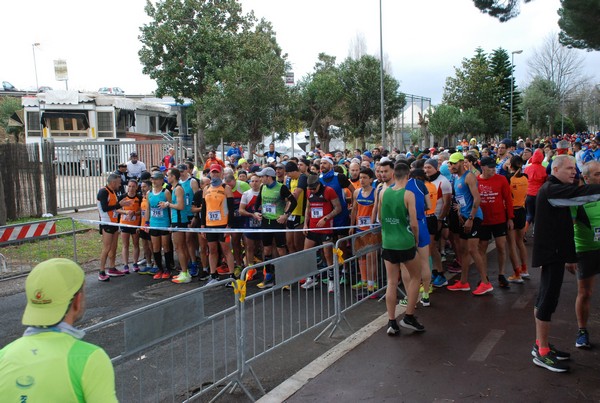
[75, 170]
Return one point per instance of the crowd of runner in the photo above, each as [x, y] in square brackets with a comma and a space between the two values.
[428, 202]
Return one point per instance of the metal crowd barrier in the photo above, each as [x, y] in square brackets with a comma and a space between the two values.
[23, 246]
[177, 350]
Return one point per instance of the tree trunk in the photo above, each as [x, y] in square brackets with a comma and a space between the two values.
[200, 139]
[323, 133]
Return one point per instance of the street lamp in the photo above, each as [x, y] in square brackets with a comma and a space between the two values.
[381, 73]
[33, 46]
[512, 85]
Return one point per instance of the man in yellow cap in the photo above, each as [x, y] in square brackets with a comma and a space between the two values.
[50, 363]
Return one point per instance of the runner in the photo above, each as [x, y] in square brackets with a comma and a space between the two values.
[496, 205]
[361, 216]
[400, 234]
[157, 226]
[276, 203]
[108, 205]
[190, 186]
[145, 186]
[323, 204]
[253, 222]
[179, 220]
[469, 221]
[296, 182]
[238, 187]
[131, 214]
[204, 274]
[217, 213]
[517, 251]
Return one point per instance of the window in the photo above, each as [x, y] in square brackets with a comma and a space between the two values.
[33, 124]
[105, 124]
[152, 124]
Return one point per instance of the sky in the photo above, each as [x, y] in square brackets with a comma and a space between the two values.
[423, 40]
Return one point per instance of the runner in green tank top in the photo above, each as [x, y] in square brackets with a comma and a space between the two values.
[399, 232]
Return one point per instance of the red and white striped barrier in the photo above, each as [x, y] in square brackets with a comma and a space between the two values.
[27, 231]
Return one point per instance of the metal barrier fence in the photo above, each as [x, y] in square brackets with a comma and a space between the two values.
[81, 168]
[178, 350]
[23, 246]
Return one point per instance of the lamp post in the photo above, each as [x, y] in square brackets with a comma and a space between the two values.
[33, 46]
[381, 73]
[512, 85]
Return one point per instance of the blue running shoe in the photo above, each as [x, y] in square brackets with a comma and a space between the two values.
[439, 281]
[193, 269]
[583, 339]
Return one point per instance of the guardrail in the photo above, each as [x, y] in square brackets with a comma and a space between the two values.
[177, 349]
[23, 246]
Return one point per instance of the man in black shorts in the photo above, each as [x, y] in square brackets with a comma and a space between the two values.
[276, 204]
[296, 182]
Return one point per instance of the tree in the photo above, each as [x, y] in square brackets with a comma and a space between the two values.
[185, 47]
[502, 69]
[579, 24]
[320, 99]
[251, 99]
[559, 64]
[361, 95]
[474, 86]
[578, 19]
[444, 121]
[540, 103]
[9, 106]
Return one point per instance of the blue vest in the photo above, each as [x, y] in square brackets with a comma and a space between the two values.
[159, 218]
[464, 197]
[178, 216]
[189, 196]
[417, 188]
[342, 219]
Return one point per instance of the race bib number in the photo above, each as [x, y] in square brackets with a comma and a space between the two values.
[316, 212]
[596, 234]
[187, 200]
[362, 221]
[291, 218]
[461, 201]
[269, 208]
[214, 216]
[156, 212]
[254, 223]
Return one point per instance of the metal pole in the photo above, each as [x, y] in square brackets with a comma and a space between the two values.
[381, 73]
[37, 85]
[512, 85]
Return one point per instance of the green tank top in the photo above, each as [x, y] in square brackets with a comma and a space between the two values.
[395, 225]
[587, 227]
[273, 206]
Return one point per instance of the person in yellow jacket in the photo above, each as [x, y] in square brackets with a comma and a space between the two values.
[51, 363]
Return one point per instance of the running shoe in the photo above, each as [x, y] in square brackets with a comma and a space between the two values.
[560, 355]
[550, 362]
[502, 281]
[515, 278]
[114, 272]
[583, 339]
[443, 255]
[483, 288]
[268, 282]
[523, 272]
[411, 322]
[331, 286]
[425, 300]
[193, 269]
[102, 276]
[458, 286]
[183, 278]
[146, 270]
[237, 270]
[212, 281]
[439, 281]
[141, 262]
[158, 275]
[136, 267]
[125, 269]
[309, 283]
[359, 285]
[223, 269]
[166, 275]
[454, 267]
[204, 275]
[422, 290]
[403, 302]
[392, 328]
[250, 274]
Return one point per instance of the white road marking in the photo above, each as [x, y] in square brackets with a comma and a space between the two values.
[487, 344]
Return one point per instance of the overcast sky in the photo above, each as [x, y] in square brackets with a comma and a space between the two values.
[423, 39]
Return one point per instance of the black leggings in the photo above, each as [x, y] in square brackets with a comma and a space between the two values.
[530, 207]
[549, 291]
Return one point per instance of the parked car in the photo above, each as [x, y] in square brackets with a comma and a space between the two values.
[44, 88]
[111, 91]
[6, 86]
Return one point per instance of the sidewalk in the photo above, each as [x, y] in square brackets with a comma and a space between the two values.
[473, 348]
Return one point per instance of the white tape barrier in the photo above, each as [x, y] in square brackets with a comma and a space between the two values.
[221, 230]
